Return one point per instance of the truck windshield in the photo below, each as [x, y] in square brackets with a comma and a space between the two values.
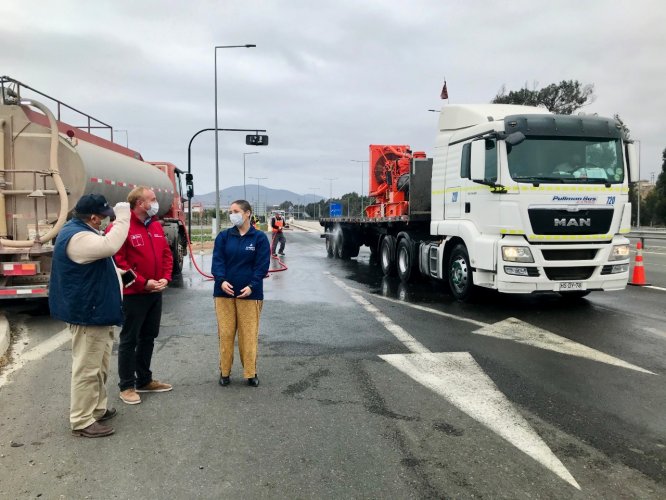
[566, 160]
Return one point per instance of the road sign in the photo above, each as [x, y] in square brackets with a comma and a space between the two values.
[336, 210]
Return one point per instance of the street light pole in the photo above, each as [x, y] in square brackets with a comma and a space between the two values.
[217, 160]
[189, 162]
[126, 136]
[314, 208]
[361, 194]
[330, 198]
[244, 155]
[258, 204]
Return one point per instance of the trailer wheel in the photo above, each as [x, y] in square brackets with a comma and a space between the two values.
[405, 261]
[387, 255]
[329, 244]
[343, 243]
[459, 273]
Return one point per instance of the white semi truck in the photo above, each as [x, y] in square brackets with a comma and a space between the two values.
[515, 199]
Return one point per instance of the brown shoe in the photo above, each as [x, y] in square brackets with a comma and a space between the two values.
[130, 396]
[155, 386]
[94, 430]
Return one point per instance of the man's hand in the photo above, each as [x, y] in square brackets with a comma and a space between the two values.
[245, 292]
[227, 288]
[156, 286]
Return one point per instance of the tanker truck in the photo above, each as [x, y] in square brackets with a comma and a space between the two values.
[46, 165]
[515, 199]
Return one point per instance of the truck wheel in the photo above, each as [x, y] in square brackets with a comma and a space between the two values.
[460, 276]
[405, 260]
[329, 244]
[387, 255]
[178, 255]
[342, 245]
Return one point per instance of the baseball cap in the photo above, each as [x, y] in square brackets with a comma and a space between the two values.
[94, 204]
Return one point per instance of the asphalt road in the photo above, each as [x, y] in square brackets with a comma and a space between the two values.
[369, 389]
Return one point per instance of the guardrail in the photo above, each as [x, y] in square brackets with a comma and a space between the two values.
[647, 234]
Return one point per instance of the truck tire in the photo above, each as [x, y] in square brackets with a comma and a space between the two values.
[405, 260]
[387, 255]
[178, 251]
[459, 271]
[343, 244]
[329, 244]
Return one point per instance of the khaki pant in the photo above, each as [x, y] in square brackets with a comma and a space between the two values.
[91, 353]
[240, 315]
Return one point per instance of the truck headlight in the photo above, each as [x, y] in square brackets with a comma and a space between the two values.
[619, 252]
[517, 254]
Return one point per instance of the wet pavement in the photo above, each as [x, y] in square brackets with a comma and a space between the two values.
[582, 381]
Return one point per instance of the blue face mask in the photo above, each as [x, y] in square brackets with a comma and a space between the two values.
[236, 219]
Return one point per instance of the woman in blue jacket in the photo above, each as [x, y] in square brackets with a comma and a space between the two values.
[241, 258]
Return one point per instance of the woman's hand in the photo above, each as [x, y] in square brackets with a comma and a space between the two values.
[245, 292]
[227, 288]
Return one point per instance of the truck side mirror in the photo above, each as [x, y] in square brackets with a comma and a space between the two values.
[256, 140]
[478, 161]
[632, 163]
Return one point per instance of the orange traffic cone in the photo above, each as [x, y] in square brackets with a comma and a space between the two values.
[638, 278]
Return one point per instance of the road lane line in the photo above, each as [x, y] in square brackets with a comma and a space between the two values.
[458, 378]
[36, 353]
[398, 332]
[655, 287]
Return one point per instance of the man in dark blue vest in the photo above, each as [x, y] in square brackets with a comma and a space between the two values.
[85, 292]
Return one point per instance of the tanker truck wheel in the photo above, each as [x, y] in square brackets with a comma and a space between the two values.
[329, 244]
[178, 255]
[387, 255]
[459, 273]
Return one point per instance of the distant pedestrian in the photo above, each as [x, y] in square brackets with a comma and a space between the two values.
[277, 225]
[146, 252]
[240, 263]
[85, 292]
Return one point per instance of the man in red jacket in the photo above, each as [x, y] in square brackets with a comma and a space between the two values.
[146, 252]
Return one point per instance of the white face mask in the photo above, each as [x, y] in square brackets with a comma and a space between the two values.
[236, 219]
[154, 208]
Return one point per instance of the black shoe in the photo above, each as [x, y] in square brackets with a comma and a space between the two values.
[253, 382]
[225, 380]
[282, 253]
[108, 414]
[274, 255]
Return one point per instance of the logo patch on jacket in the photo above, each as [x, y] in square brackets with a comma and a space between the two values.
[250, 248]
[136, 240]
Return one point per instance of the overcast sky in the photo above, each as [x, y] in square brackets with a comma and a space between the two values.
[327, 78]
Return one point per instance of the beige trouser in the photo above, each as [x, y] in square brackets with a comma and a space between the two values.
[240, 315]
[91, 353]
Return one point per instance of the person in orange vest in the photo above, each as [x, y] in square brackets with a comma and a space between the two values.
[277, 224]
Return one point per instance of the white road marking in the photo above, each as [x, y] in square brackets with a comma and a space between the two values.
[524, 333]
[458, 378]
[655, 287]
[36, 353]
[554, 342]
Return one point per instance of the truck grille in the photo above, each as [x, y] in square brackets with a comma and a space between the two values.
[578, 254]
[585, 221]
[568, 273]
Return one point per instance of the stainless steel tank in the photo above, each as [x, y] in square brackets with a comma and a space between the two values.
[30, 198]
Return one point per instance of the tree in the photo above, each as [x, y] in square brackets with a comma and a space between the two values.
[562, 98]
[660, 193]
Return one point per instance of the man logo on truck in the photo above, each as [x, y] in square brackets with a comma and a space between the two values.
[572, 222]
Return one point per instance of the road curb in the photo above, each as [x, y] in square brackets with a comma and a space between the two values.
[4, 335]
